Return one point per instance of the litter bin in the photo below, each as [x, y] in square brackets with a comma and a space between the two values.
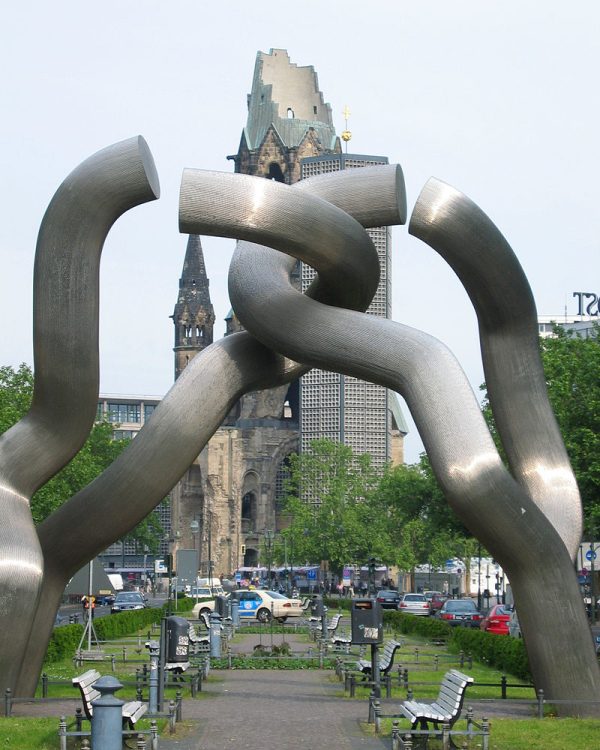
[178, 644]
[367, 621]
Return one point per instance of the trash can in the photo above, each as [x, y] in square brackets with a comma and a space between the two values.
[178, 643]
[366, 616]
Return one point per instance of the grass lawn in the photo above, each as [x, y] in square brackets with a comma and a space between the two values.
[520, 734]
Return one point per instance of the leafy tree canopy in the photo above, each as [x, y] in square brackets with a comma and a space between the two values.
[99, 450]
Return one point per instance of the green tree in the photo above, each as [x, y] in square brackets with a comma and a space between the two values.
[327, 507]
[422, 527]
[99, 450]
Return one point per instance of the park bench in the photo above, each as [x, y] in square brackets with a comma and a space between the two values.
[130, 711]
[447, 706]
[332, 625]
[386, 660]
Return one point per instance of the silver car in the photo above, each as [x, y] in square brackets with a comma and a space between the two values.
[414, 604]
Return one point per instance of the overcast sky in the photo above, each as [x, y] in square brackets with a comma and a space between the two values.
[499, 99]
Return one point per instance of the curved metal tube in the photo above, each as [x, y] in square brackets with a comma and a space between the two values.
[482, 492]
[465, 237]
[65, 397]
[182, 424]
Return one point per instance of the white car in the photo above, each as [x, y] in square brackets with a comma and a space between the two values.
[256, 604]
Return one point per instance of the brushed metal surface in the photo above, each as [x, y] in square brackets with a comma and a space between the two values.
[519, 519]
[65, 398]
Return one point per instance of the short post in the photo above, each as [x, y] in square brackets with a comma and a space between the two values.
[470, 714]
[138, 684]
[124, 653]
[540, 697]
[215, 634]
[178, 705]
[377, 715]
[154, 649]
[485, 728]
[352, 685]
[436, 662]
[375, 670]
[8, 702]
[388, 685]
[113, 663]
[141, 742]
[235, 612]
[503, 686]
[172, 717]
[44, 685]
[445, 736]
[78, 719]
[407, 743]
[371, 717]
[461, 658]
[62, 733]
[324, 632]
[153, 735]
[107, 723]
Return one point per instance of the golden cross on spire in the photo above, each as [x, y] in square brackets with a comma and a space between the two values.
[346, 135]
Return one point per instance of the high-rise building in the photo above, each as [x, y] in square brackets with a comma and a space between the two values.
[340, 407]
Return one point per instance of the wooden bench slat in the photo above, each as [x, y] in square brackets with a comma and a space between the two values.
[131, 711]
[446, 707]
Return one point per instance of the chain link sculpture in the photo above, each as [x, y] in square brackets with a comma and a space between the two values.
[529, 518]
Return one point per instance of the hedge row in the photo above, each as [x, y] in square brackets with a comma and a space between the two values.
[66, 638]
[501, 652]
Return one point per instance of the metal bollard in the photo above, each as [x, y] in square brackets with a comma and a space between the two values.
[8, 702]
[352, 685]
[371, 717]
[540, 697]
[113, 663]
[62, 733]
[178, 705]
[44, 685]
[485, 728]
[395, 732]
[107, 723]
[445, 736]
[172, 717]
[78, 719]
[141, 742]
[215, 634]
[153, 735]
[503, 686]
[154, 648]
[235, 612]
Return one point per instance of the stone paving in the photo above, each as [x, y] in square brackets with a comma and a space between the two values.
[272, 709]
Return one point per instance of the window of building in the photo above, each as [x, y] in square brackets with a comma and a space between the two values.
[124, 413]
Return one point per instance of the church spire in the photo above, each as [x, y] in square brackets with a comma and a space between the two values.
[193, 315]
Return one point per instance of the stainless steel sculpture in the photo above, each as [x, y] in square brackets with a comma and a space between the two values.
[529, 518]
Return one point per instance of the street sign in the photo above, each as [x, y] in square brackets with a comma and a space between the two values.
[590, 555]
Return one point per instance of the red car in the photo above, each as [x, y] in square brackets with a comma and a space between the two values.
[496, 620]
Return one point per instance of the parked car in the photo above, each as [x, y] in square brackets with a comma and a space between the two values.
[125, 600]
[262, 605]
[435, 599]
[414, 604]
[460, 612]
[388, 599]
[497, 619]
[514, 629]
[103, 600]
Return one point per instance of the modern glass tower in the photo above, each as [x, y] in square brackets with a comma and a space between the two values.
[335, 406]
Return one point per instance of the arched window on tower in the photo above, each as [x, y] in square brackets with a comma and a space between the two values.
[248, 513]
[290, 113]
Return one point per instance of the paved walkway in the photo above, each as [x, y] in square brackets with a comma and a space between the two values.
[272, 709]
